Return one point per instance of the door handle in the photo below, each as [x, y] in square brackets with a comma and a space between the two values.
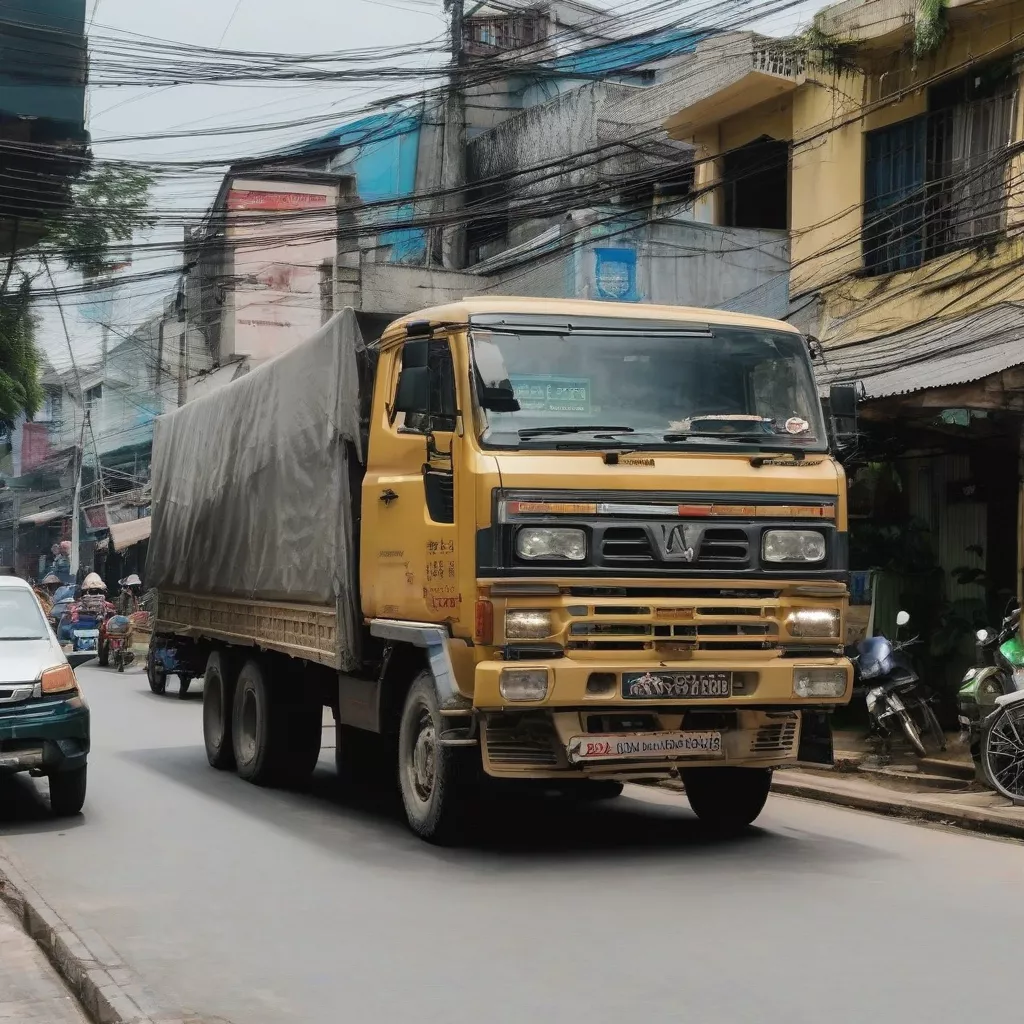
[388, 496]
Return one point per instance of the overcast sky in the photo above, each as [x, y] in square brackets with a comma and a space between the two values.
[279, 26]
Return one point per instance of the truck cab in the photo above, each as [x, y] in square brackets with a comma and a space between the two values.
[620, 536]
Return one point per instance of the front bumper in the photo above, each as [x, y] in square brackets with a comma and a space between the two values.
[766, 681]
[758, 727]
[44, 735]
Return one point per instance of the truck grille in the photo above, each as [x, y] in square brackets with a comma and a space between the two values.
[706, 628]
[526, 742]
[778, 737]
[719, 546]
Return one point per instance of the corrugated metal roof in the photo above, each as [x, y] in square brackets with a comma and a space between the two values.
[936, 354]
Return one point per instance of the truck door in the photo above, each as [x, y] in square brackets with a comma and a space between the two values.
[409, 489]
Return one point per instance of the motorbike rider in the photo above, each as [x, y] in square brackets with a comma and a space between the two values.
[128, 599]
[94, 597]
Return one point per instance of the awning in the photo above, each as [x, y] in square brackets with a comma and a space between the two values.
[936, 354]
[42, 518]
[124, 535]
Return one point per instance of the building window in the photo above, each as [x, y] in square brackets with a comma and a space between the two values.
[50, 410]
[93, 395]
[938, 182]
[755, 185]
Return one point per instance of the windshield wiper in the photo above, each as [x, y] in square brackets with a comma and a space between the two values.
[717, 436]
[573, 429]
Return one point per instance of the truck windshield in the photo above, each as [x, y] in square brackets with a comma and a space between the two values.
[734, 387]
[21, 618]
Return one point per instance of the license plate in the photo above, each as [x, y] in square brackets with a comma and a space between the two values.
[676, 685]
[642, 745]
[87, 634]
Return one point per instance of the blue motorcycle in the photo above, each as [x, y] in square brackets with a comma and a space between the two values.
[162, 661]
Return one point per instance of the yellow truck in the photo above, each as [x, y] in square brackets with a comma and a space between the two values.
[568, 544]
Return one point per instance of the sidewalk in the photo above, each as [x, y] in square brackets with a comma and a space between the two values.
[30, 989]
[976, 810]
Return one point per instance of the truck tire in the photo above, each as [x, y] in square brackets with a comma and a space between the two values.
[67, 792]
[256, 731]
[218, 701]
[727, 799]
[437, 783]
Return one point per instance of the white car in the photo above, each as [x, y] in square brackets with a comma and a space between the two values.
[44, 718]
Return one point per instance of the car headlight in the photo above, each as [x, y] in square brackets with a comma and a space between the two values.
[814, 622]
[539, 543]
[819, 682]
[531, 624]
[58, 679]
[523, 683]
[793, 546]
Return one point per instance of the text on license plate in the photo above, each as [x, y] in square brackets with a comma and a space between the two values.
[676, 685]
[620, 746]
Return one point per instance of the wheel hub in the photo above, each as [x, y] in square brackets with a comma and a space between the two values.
[424, 759]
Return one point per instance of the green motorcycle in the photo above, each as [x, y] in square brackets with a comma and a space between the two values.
[999, 671]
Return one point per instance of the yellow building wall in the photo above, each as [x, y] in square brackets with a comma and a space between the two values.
[826, 119]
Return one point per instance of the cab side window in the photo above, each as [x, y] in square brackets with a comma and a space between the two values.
[426, 387]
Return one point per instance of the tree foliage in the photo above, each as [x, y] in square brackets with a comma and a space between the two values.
[108, 204]
[19, 362]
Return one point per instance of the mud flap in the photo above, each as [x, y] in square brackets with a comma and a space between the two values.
[816, 739]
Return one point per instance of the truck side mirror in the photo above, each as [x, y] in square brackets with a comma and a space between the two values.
[842, 401]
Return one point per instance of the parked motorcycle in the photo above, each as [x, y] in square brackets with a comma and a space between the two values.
[116, 637]
[1002, 747]
[997, 672]
[892, 690]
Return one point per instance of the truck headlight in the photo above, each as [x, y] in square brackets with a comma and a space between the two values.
[819, 682]
[528, 625]
[793, 546]
[523, 683]
[814, 622]
[540, 543]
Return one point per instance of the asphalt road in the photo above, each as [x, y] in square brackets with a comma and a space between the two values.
[260, 907]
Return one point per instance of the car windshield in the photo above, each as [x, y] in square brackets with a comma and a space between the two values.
[21, 618]
[730, 386]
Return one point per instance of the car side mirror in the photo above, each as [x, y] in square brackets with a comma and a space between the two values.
[842, 403]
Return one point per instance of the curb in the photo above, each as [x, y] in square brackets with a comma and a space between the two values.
[105, 988]
[968, 818]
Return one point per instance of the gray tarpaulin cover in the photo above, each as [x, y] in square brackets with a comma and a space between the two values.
[255, 486]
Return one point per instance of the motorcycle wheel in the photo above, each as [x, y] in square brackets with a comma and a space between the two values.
[120, 663]
[156, 674]
[1002, 752]
[912, 734]
[103, 653]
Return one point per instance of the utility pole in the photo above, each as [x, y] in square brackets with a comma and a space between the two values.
[14, 531]
[453, 157]
[183, 346]
[76, 505]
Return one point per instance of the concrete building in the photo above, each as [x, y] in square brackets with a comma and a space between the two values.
[888, 144]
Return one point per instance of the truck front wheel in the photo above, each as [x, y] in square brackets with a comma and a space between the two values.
[437, 782]
[727, 799]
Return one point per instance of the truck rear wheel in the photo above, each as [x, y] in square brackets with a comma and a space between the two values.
[727, 799]
[254, 728]
[274, 741]
[437, 782]
[218, 700]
